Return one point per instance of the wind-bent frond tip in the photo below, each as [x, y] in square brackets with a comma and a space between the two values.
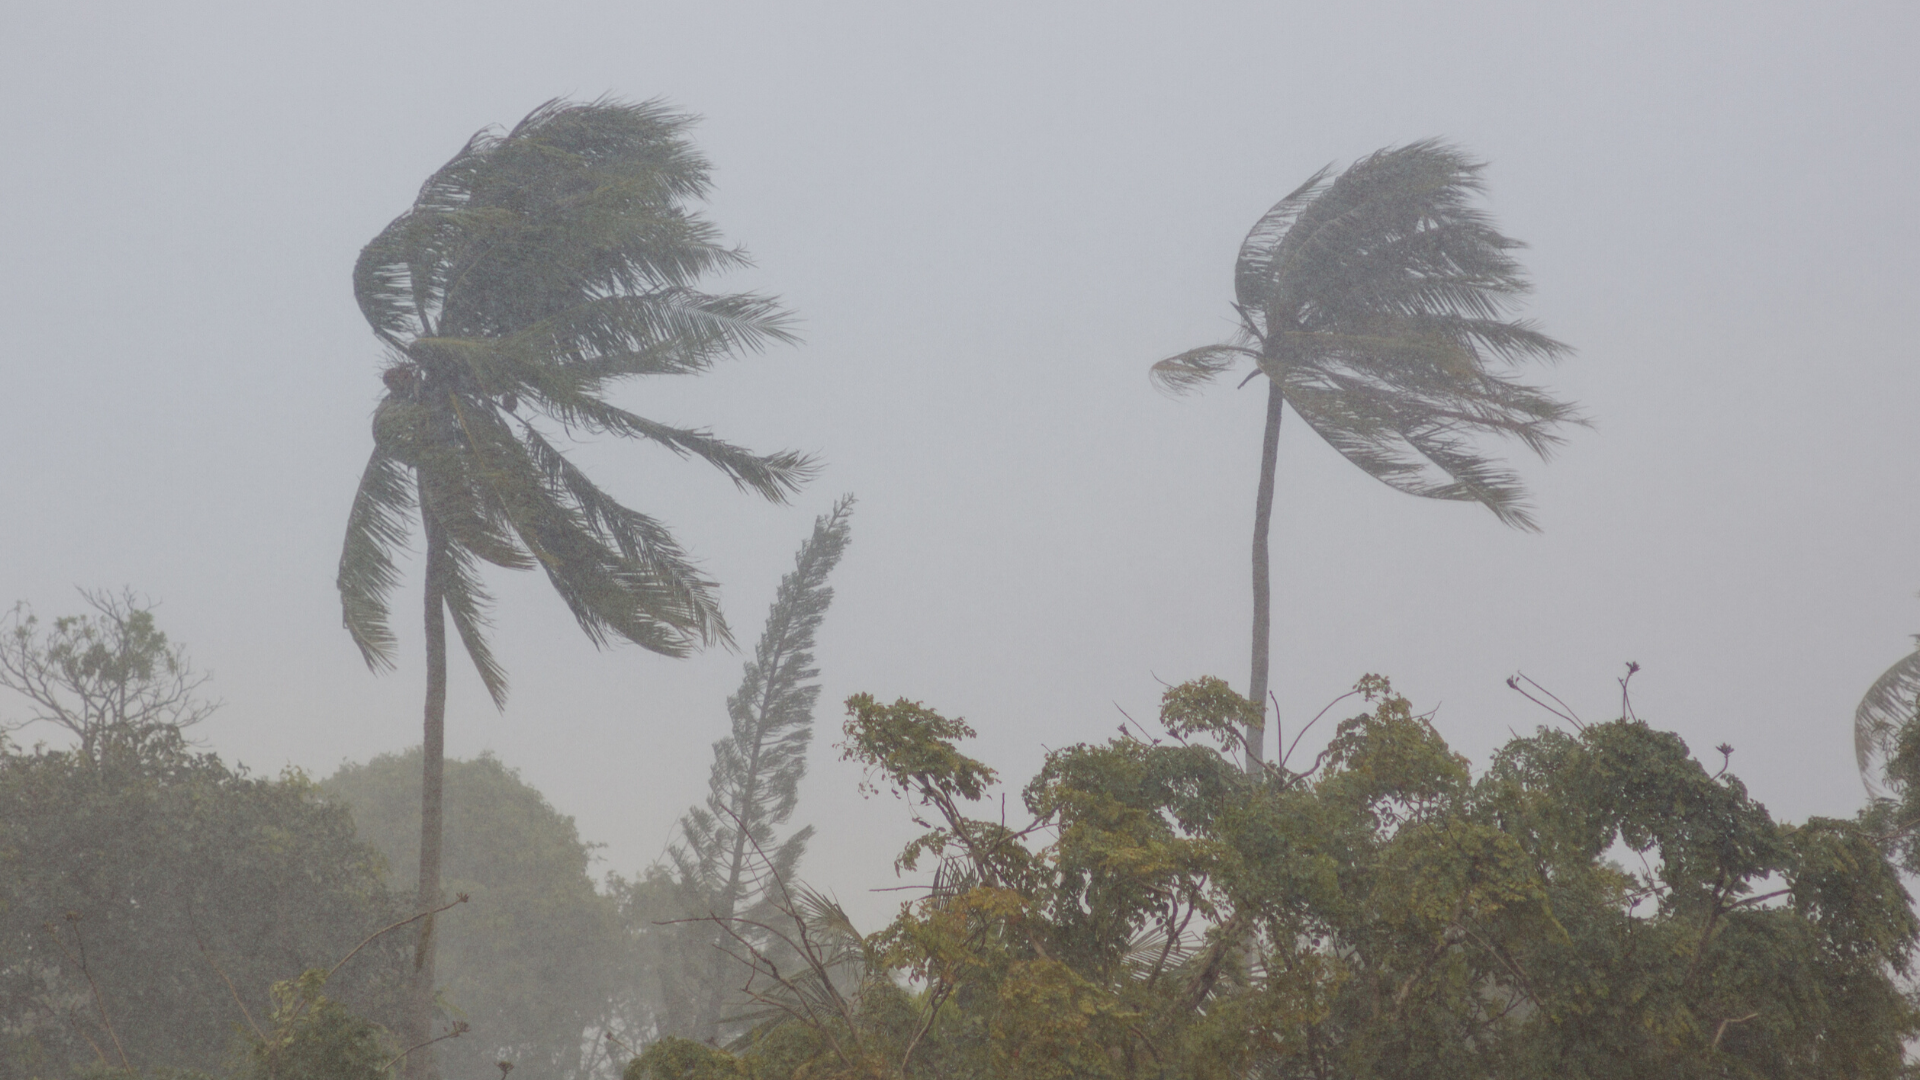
[1190, 370]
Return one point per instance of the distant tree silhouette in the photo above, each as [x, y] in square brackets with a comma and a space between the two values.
[730, 862]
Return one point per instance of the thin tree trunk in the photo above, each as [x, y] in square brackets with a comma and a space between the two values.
[1262, 580]
[419, 1012]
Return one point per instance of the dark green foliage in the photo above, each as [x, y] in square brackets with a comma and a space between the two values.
[530, 960]
[170, 884]
[1387, 916]
[314, 1037]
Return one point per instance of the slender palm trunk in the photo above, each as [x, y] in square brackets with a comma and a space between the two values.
[419, 1007]
[1262, 581]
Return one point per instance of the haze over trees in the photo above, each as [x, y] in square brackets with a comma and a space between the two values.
[1373, 304]
[535, 269]
[150, 893]
[1167, 904]
[532, 960]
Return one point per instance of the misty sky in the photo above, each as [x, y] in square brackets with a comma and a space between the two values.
[992, 218]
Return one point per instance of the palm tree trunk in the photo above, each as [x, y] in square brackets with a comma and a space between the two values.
[419, 1008]
[1262, 580]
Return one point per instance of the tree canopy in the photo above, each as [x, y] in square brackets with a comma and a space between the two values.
[1385, 914]
[532, 960]
[149, 901]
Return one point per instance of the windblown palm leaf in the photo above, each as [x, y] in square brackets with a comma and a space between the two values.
[535, 269]
[1891, 702]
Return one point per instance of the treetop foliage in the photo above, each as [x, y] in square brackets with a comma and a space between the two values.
[111, 679]
[1384, 914]
[149, 899]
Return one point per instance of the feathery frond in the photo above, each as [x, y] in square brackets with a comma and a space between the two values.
[1892, 701]
[376, 526]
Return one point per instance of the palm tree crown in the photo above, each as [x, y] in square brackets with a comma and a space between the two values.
[534, 269]
[1374, 303]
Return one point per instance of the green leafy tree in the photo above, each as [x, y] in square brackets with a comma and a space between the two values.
[148, 900]
[530, 963]
[534, 270]
[728, 870]
[1382, 914]
[1373, 304]
[110, 679]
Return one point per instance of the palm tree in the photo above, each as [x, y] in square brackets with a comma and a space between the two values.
[534, 269]
[1373, 302]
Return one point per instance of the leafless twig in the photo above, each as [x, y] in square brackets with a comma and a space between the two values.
[1564, 712]
[459, 1028]
[457, 900]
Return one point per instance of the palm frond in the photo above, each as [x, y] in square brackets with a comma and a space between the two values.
[662, 332]
[774, 476]
[377, 524]
[538, 264]
[1254, 269]
[1194, 368]
[461, 489]
[1892, 701]
[638, 540]
[1376, 301]
[1408, 448]
[468, 604]
[610, 598]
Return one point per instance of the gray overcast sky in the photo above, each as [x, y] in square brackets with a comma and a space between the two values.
[992, 218]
